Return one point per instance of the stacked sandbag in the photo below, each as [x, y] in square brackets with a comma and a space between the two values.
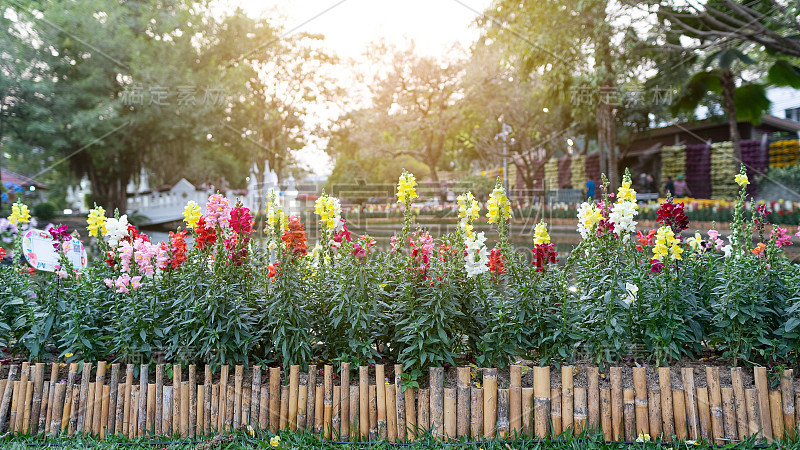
[784, 153]
[564, 172]
[551, 174]
[578, 172]
[755, 160]
[723, 169]
[698, 170]
[673, 161]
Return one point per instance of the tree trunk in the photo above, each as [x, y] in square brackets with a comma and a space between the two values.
[110, 194]
[729, 105]
[606, 130]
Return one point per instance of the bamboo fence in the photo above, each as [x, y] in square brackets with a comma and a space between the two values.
[115, 403]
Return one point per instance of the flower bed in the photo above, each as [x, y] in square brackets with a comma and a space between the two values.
[427, 301]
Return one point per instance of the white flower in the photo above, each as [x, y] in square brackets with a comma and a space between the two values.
[588, 217]
[632, 292]
[476, 261]
[116, 229]
[622, 214]
[726, 249]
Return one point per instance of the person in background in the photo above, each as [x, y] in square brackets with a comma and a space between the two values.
[669, 188]
[681, 188]
[590, 189]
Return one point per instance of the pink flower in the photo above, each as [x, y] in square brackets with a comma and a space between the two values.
[62, 274]
[109, 282]
[798, 232]
[122, 283]
[217, 211]
[136, 282]
[782, 237]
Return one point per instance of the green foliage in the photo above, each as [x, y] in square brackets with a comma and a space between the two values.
[44, 211]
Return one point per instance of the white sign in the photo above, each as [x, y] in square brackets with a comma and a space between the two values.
[37, 245]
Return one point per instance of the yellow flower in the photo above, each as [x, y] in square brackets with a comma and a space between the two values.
[68, 355]
[625, 193]
[741, 179]
[275, 441]
[97, 222]
[251, 430]
[643, 437]
[498, 205]
[406, 188]
[666, 245]
[468, 210]
[19, 214]
[329, 210]
[540, 234]
[191, 214]
[275, 215]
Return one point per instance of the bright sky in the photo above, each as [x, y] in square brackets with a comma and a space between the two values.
[350, 26]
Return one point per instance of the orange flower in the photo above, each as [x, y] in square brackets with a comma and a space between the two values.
[759, 250]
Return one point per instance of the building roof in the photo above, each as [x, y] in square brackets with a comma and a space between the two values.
[13, 177]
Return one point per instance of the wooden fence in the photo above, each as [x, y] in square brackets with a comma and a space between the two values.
[118, 404]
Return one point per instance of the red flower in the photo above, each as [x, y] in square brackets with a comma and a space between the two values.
[295, 236]
[544, 254]
[496, 262]
[205, 235]
[274, 269]
[2, 253]
[657, 266]
[133, 235]
[178, 247]
[241, 221]
[111, 259]
[671, 214]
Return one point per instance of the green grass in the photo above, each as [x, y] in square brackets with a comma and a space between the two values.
[307, 441]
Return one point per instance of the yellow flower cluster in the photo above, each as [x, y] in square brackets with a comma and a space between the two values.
[406, 188]
[191, 214]
[498, 204]
[741, 179]
[625, 193]
[541, 236]
[19, 214]
[97, 222]
[468, 210]
[666, 245]
[275, 215]
[328, 210]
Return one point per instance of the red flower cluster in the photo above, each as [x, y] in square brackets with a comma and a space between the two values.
[497, 265]
[341, 236]
[544, 254]
[274, 269]
[656, 266]
[177, 244]
[2, 253]
[295, 236]
[111, 259]
[241, 221]
[671, 214]
[133, 235]
[205, 235]
[645, 241]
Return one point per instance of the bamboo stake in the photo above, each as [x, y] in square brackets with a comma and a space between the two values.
[715, 404]
[679, 406]
[26, 417]
[222, 410]
[762, 388]
[514, 400]
[437, 400]
[336, 422]
[263, 411]
[89, 410]
[704, 413]
[214, 418]
[52, 393]
[353, 410]
[126, 401]
[391, 413]
[566, 397]
[166, 410]
[616, 403]
[208, 384]
[99, 382]
[667, 415]
[294, 386]
[640, 400]
[753, 414]
[302, 400]
[411, 414]
[229, 402]
[237, 396]
[255, 395]
[328, 401]
[23, 388]
[450, 422]
[42, 423]
[739, 404]
[400, 403]
[134, 419]
[797, 408]
[144, 370]
[38, 387]
[629, 414]
[373, 412]
[776, 410]
[541, 387]
[177, 396]
[246, 407]
[344, 408]
[580, 411]
[319, 410]
[555, 412]
[363, 394]
[55, 424]
[8, 392]
[150, 425]
[192, 425]
[654, 415]
[12, 417]
[113, 395]
[787, 398]
[502, 412]
[380, 391]
[463, 400]
[312, 392]
[275, 399]
[527, 412]
[201, 410]
[605, 414]
[593, 398]
[729, 414]
[104, 412]
[75, 399]
[489, 402]
[692, 420]
[424, 409]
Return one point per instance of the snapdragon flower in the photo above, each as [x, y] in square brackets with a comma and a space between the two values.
[588, 217]
[476, 260]
[116, 229]
[406, 188]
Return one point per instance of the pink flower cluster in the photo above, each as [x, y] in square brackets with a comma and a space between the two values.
[145, 255]
[713, 237]
[421, 246]
[124, 283]
[217, 211]
[782, 237]
[342, 235]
